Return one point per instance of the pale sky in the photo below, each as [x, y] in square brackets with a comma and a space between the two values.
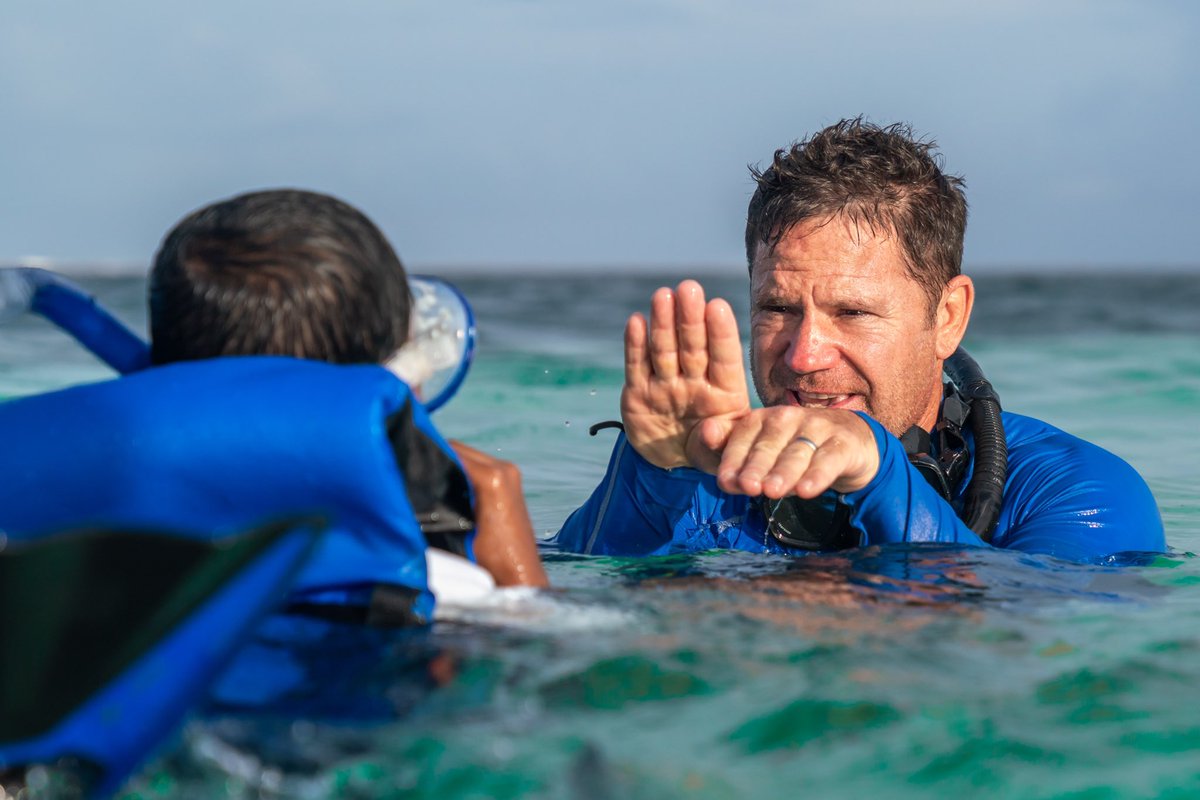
[531, 133]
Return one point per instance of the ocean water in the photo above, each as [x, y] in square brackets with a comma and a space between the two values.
[895, 672]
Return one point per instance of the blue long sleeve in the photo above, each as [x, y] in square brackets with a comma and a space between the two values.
[899, 505]
[640, 510]
[1064, 497]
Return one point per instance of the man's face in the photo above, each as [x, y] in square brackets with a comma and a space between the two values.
[836, 322]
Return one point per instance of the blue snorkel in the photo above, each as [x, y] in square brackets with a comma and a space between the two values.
[26, 289]
[434, 361]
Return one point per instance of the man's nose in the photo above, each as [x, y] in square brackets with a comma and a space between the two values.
[812, 347]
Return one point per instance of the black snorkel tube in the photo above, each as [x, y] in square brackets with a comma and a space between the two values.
[985, 492]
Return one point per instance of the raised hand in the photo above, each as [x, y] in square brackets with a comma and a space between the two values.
[685, 367]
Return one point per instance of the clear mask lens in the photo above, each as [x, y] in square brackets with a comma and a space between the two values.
[441, 341]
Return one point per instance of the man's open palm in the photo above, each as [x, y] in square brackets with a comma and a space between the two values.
[686, 367]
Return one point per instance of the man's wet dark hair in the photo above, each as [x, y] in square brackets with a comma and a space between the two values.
[281, 272]
[880, 178]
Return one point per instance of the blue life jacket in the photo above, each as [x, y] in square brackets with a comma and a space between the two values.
[211, 447]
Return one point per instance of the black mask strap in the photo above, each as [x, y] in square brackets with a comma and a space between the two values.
[917, 444]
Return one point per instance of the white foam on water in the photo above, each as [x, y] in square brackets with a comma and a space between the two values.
[533, 610]
[466, 592]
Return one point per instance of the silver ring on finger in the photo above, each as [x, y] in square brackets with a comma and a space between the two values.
[807, 441]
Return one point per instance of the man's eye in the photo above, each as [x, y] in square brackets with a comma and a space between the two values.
[854, 312]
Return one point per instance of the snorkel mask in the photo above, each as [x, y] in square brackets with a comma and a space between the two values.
[433, 362]
[441, 342]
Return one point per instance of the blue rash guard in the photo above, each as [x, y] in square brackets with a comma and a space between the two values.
[1064, 497]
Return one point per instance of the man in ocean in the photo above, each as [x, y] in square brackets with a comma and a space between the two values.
[854, 240]
[302, 274]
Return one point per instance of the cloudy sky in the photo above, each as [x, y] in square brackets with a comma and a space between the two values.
[564, 134]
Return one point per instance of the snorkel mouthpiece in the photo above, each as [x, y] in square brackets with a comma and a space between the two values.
[441, 342]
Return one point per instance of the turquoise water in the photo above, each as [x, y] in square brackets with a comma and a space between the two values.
[928, 672]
